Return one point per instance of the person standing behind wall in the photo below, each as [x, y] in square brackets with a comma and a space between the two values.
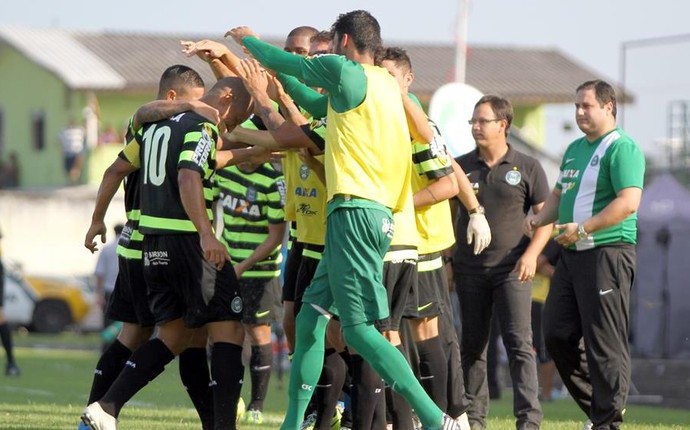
[72, 139]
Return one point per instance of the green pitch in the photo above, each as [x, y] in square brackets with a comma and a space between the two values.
[52, 390]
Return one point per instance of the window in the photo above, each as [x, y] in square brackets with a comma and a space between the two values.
[38, 132]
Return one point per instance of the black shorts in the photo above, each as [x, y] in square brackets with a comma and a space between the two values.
[259, 299]
[294, 257]
[430, 277]
[400, 280]
[182, 284]
[129, 300]
[311, 256]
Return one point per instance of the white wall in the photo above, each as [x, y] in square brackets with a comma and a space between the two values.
[44, 230]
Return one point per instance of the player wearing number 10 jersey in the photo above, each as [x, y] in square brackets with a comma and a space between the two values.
[189, 284]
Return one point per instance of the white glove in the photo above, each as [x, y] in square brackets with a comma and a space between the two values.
[478, 231]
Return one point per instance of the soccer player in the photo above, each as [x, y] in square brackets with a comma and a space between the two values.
[178, 88]
[595, 202]
[184, 264]
[307, 190]
[433, 182]
[252, 196]
[367, 175]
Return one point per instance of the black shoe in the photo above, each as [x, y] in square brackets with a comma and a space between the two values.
[12, 370]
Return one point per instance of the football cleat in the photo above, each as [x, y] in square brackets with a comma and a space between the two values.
[96, 418]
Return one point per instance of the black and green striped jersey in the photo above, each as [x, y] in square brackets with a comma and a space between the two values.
[184, 141]
[251, 201]
[129, 245]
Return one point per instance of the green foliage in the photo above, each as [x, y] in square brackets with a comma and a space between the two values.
[54, 384]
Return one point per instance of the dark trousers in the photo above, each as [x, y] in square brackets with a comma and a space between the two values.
[458, 403]
[586, 318]
[478, 295]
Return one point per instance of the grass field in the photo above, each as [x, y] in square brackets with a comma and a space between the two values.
[52, 389]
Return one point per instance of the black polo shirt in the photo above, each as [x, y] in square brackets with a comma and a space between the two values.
[507, 191]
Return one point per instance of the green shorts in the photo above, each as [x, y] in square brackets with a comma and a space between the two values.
[349, 279]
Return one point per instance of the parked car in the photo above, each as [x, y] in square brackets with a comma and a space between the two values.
[44, 305]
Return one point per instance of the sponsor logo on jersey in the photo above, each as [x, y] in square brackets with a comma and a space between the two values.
[126, 235]
[305, 209]
[570, 174]
[203, 148]
[239, 206]
[282, 190]
[306, 192]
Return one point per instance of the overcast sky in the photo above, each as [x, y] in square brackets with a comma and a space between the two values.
[589, 31]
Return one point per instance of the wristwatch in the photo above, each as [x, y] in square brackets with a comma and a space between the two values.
[581, 233]
[478, 210]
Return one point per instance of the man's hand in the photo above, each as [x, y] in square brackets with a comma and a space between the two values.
[531, 223]
[568, 234]
[254, 76]
[478, 231]
[239, 269]
[239, 33]
[206, 49]
[205, 110]
[214, 251]
[526, 267]
[96, 228]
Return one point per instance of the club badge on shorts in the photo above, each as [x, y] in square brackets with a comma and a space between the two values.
[513, 177]
[236, 304]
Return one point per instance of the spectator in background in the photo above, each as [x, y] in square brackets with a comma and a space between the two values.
[9, 171]
[72, 140]
[5, 333]
[107, 268]
[109, 135]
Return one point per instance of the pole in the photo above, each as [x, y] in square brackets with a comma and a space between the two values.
[461, 42]
[640, 43]
[621, 106]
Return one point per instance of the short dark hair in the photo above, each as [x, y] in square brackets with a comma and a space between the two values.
[179, 78]
[395, 54]
[322, 36]
[303, 30]
[363, 29]
[603, 91]
[501, 107]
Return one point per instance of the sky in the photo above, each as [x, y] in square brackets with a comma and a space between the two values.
[592, 32]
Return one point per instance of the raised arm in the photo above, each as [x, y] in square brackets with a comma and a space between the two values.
[222, 61]
[161, 109]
